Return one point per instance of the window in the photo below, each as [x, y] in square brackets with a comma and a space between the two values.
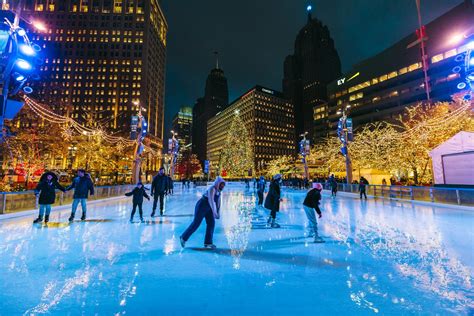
[414, 67]
[382, 78]
[437, 58]
[375, 81]
[393, 74]
[450, 53]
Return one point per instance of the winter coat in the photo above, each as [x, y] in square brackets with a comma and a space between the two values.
[272, 202]
[82, 186]
[138, 195]
[261, 186]
[362, 185]
[333, 183]
[312, 199]
[47, 191]
[159, 184]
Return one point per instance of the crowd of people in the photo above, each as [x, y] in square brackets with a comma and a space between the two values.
[208, 206]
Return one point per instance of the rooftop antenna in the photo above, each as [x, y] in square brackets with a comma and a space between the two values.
[309, 9]
[217, 59]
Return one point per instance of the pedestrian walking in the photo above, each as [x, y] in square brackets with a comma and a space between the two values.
[170, 186]
[273, 199]
[82, 186]
[261, 184]
[310, 205]
[159, 187]
[362, 187]
[208, 207]
[46, 193]
[333, 184]
[138, 193]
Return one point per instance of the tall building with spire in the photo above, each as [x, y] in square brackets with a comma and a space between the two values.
[216, 98]
[314, 64]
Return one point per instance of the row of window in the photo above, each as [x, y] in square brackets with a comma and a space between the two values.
[93, 62]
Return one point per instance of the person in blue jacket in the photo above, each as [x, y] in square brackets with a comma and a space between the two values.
[82, 185]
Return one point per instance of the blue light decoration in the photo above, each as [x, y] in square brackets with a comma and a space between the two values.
[21, 32]
[465, 69]
[23, 64]
[309, 8]
[27, 50]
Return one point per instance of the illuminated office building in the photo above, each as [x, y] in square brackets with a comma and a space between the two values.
[101, 56]
[269, 120]
[182, 125]
[381, 87]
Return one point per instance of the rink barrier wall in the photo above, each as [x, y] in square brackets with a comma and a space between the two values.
[11, 202]
[450, 196]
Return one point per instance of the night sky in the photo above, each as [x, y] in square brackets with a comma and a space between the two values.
[253, 38]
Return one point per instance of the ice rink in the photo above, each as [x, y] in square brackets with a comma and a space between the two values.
[381, 257]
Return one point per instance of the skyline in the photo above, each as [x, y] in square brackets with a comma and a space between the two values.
[269, 41]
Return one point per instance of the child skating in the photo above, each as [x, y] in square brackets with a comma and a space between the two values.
[138, 193]
[46, 193]
[310, 205]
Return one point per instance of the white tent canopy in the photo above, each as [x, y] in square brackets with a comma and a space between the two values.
[453, 160]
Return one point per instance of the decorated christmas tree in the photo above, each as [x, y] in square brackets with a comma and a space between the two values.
[236, 158]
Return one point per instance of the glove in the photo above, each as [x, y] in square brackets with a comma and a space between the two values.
[320, 215]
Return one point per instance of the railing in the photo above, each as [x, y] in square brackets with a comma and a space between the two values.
[11, 202]
[457, 196]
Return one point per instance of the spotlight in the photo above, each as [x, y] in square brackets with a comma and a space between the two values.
[18, 77]
[456, 38]
[461, 85]
[23, 64]
[21, 32]
[309, 8]
[27, 50]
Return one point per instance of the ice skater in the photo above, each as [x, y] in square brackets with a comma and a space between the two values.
[363, 187]
[159, 187]
[310, 205]
[272, 202]
[333, 184]
[208, 207]
[82, 186]
[46, 193]
[260, 190]
[138, 193]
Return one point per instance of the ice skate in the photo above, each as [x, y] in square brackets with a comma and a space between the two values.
[274, 224]
[318, 240]
[71, 218]
[83, 217]
[210, 246]
[38, 220]
[152, 214]
[46, 218]
[182, 242]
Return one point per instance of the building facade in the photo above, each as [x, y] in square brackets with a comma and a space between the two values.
[381, 87]
[182, 125]
[269, 119]
[216, 98]
[101, 57]
[314, 64]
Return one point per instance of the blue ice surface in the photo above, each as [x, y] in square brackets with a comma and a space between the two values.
[381, 257]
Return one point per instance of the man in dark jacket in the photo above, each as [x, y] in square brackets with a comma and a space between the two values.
[363, 187]
[159, 187]
[260, 190]
[46, 190]
[138, 193]
[333, 184]
[82, 186]
[311, 204]
[272, 202]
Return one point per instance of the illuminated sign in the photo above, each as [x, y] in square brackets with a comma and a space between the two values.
[267, 91]
[342, 81]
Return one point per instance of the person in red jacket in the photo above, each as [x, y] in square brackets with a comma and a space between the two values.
[310, 205]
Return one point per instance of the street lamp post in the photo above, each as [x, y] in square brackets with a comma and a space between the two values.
[305, 151]
[344, 132]
[173, 150]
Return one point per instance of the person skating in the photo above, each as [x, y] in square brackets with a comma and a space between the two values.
[170, 186]
[138, 193]
[260, 190]
[46, 193]
[82, 186]
[310, 205]
[333, 184]
[208, 207]
[363, 187]
[272, 202]
[159, 187]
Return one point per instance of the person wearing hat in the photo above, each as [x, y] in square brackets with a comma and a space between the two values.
[46, 193]
[272, 202]
[310, 205]
[159, 188]
[208, 208]
[82, 186]
[260, 190]
[138, 193]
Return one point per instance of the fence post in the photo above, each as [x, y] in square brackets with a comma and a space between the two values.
[411, 193]
[431, 195]
[4, 206]
[458, 197]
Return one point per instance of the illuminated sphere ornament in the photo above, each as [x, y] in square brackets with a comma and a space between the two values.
[309, 8]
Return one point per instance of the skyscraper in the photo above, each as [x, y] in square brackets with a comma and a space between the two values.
[314, 64]
[101, 56]
[182, 125]
[216, 98]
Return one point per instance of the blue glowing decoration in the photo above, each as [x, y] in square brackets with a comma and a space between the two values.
[23, 64]
[18, 77]
[461, 85]
[470, 45]
[309, 8]
[21, 32]
[467, 97]
[27, 90]
[471, 61]
[27, 50]
[470, 77]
